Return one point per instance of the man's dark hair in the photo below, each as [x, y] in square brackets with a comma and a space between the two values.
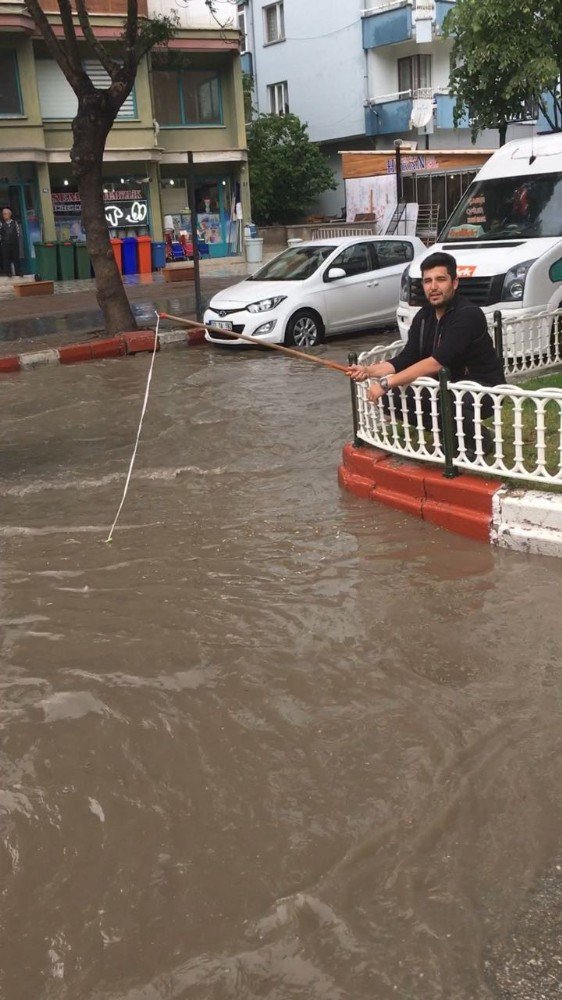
[440, 259]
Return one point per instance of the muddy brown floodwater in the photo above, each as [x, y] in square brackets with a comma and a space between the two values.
[275, 741]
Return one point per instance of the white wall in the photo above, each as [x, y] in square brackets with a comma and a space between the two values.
[322, 60]
[195, 13]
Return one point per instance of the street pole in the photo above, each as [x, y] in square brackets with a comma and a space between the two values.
[398, 156]
[194, 243]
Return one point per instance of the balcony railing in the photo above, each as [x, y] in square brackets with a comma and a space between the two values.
[419, 6]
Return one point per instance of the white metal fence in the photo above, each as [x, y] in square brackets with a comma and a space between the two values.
[525, 425]
[528, 343]
[332, 232]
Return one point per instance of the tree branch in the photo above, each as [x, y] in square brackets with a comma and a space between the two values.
[110, 66]
[131, 35]
[70, 34]
[55, 48]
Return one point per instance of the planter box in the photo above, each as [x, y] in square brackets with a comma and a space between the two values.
[29, 288]
[179, 272]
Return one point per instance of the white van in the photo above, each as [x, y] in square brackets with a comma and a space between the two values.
[505, 233]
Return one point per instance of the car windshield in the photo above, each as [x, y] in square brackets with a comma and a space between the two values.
[508, 208]
[295, 264]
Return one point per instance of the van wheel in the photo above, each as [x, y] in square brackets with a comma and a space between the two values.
[304, 329]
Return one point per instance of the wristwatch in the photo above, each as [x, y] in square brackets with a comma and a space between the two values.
[384, 383]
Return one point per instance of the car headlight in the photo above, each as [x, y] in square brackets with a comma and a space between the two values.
[265, 328]
[405, 285]
[266, 304]
[514, 282]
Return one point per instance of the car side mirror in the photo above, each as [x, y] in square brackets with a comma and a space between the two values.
[335, 273]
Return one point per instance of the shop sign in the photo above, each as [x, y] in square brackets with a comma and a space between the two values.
[122, 208]
[126, 213]
[410, 164]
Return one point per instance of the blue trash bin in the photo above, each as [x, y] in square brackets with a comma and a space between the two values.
[130, 255]
[158, 255]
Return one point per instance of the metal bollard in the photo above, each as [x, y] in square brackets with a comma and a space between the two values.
[447, 424]
[352, 359]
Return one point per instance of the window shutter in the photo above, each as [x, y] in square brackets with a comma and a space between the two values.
[101, 79]
[57, 99]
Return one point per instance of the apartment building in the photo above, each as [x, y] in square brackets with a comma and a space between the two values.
[363, 74]
[186, 97]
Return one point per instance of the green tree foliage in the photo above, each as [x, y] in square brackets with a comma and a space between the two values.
[506, 53]
[248, 91]
[287, 170]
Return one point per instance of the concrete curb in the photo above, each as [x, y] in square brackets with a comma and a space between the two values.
[123, 345]
[473, 506]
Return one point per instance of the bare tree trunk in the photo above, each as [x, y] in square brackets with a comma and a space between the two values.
[90, 129]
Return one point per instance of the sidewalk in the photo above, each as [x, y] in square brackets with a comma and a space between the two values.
[72, 314]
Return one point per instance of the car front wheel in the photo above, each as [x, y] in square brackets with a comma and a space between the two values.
[304, 329]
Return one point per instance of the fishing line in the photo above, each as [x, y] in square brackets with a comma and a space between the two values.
[143, 411]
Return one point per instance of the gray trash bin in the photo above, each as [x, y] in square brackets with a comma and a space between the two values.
[254, 249]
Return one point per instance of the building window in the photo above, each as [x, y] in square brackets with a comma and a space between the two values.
[57, 100]
[414, 73]
[529, 111]
[10, 96]
[278, 98]
[274, 23]
[241, 21]
[187, 97]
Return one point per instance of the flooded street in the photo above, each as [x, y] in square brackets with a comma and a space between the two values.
[273, 741]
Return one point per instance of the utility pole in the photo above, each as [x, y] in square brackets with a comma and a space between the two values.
[194, 239]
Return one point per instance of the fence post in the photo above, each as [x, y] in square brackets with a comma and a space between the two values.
[447, 424]
[498, 334]
[352, 359]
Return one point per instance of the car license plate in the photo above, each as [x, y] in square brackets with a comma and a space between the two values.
[222, 324]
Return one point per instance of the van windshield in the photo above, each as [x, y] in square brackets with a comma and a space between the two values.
[508, 208]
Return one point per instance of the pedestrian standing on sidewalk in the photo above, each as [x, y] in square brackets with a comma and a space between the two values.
[10, 243]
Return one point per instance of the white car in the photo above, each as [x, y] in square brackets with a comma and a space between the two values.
[316, 288]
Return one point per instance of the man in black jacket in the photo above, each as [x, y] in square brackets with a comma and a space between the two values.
[447, 332]
[10, 243]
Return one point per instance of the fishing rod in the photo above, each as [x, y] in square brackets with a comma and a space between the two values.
[261, 343]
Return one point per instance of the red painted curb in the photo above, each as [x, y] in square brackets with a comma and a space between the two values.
[463, 504]
[11, 364]
[400, 501]
[471, 523]
[355, 484]
[110, 347]
[196, 337]
[73, 353]
[476, 491]
[139, 340]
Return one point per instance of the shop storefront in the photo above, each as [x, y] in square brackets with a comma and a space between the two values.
[18, 191]
[435, 180]
[215, 201]
[126, 211]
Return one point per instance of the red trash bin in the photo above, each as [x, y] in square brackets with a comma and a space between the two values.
[118, 252]
[144, 244]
